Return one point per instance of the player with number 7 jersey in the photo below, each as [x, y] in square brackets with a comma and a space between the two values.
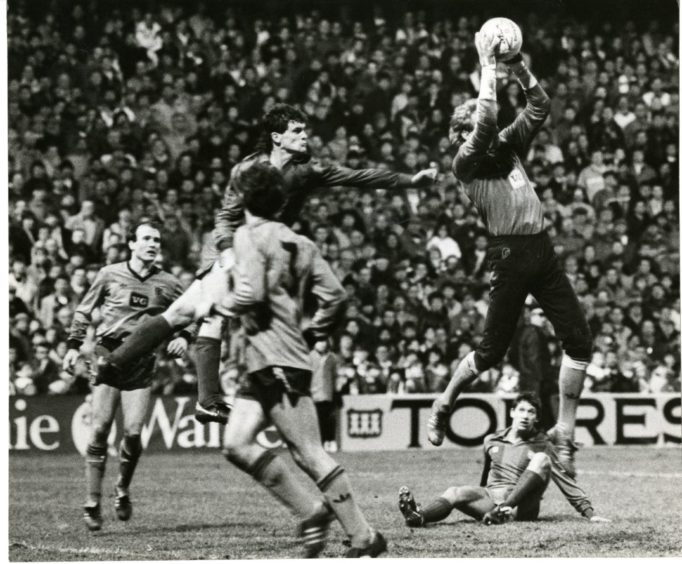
[278, 268]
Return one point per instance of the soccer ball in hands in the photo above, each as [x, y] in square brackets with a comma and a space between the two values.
[509, 34]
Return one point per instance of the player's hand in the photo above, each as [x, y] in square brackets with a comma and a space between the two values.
[486, 45]
[500, 514]
[425, 177]
[598, 519]
[177, 347]
[70, 358]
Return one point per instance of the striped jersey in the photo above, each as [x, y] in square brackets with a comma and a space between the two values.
[125, 299]
[281, 286]
[505, 461]
[508, 205]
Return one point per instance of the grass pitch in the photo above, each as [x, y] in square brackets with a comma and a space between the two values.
[197, 506]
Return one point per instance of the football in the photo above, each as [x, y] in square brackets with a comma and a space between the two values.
[509, 33]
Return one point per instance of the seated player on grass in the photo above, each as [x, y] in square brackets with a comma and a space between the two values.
[519, 462]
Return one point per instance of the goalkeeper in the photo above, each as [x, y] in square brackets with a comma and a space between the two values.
[519, 462]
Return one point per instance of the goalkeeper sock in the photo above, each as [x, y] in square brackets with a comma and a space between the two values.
[129, 453]
[529, 483]
[95, 464]
[147, 336]
[207, 359]
[437, 510]
[339, 495]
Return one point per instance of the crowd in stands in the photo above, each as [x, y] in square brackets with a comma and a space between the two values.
[116, 114]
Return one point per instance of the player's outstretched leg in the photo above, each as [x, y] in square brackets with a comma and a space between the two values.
[465, 373]
[210, 404]
[526, 495]
[105, 401]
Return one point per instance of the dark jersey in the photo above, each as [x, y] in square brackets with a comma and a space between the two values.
[125, 299]
[505, 461]
[300, 180]
[508, 205]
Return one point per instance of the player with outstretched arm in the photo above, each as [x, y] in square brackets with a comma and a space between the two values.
[284, 145]
[520, 253]
[127, 293]
[519, 463]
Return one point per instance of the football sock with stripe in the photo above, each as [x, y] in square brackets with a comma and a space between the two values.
[270, 471]
[143, 340]
[95, 465]
[129, 454]
[340, 498]
[207, 361]
[437, 510]
[529, 483]
[571, 381]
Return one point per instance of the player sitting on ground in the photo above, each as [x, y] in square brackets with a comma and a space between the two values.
[284, 145]
[279, 276]
[127, 293]
[520, 252]
[519, 462]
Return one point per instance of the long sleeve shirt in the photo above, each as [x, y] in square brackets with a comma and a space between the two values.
[505, 461]
[300, 180]
[125, 299]
[282, 285]
[508, 205]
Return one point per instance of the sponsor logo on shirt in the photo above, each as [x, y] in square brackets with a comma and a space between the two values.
[138, 300]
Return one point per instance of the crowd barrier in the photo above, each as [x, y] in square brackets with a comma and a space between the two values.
[367, 422]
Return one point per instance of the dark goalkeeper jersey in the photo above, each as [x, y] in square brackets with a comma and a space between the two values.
[508, 205]
[506, 461]
[125, 299]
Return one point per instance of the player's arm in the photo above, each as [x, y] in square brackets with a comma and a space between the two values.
[485, 127]
[83, 316]
[570, 488]
[231, 214]
[330, 299]
[368, 177]
[523, 129]
[486, 462]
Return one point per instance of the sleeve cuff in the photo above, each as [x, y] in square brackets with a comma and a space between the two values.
[185, 335]
[73, 344]
[404, 180]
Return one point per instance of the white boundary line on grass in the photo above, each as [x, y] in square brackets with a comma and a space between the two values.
[633, 474]
[71, 550]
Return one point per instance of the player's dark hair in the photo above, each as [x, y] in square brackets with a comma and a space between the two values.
[528, 397]
[152, 222]
[262, 189]
[276, 121]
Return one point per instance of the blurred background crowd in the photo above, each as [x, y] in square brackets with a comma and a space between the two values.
[118, 110]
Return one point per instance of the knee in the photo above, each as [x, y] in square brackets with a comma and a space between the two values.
[100, 434]
[487, 358]
[540, 463]
[180, 314]
[579, 345]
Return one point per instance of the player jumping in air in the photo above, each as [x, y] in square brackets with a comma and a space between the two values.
[278, 278]
[127, 293]
[284, 144]
[520, 253]
[519, 463]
